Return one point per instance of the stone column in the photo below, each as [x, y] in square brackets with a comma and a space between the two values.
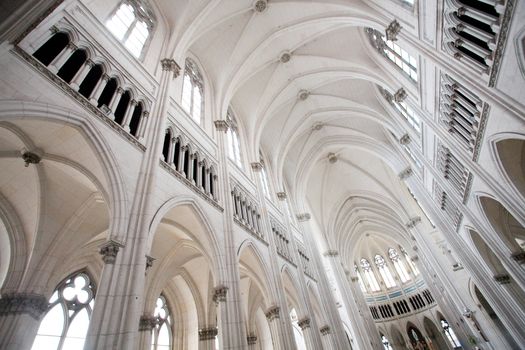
[115, 100]
[20, 316]
[146, 325]
[129, 112]
[233, 325]
[81, 74]
[62, 57]
[207, 336]
[99, 87]
[326, 337]
[308, 333]
[142, 125]
[274, 321]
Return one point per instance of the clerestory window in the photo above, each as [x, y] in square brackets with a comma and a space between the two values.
[369, 274]
[193, 91]
[384, 271]
[398, 265]
[132, 24]
[234, 147]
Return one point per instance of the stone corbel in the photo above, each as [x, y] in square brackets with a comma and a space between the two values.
[405, 174]
[219, 294]
[109, 251]
[147, 323]
[400, 95]
[304, 323]
[256, 166]
[272, 313]
[303, 217]
[281, 196]
[325, 330]
[392, 30]
[221, 125]
[169, 64]
[149, 262]
[405, 139]
[208, 333]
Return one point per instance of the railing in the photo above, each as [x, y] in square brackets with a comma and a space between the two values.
[78, 67]
[453, 171]
[282, 241]
[474, 32]
[441, 197]
[402, 307]
[246, 211]
[306, 262]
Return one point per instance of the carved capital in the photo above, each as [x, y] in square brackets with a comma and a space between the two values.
[331, 253]
[405, 139]
[147, 323]
[272, 313]
[30, 158]
[208, 333]
[519, 257]
[392, 30]
[219, 294]
[413, 222]
[256, 166]
[502, 278]
[149, 262]
[400, 95]
[303, 217]
[325, 330]
[109, 251]
[354, 279]
[35, 305]
[304, 323]
[405, 174]
[332, 158]
[281, 196]
[252, 339]
[303, 95]
[169, 64]
[221, 125]
[260, 6]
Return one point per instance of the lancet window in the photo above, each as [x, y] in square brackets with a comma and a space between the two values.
[193, 91]
[161, 333]
[369, 274]
[398, 265]
[384, 271]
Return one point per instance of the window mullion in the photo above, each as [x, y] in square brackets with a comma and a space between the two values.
[130, 29]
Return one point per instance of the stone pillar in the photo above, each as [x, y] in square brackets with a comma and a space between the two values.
[62, 57]
[81, 74]
[142, 125]
[129, 112]
[20, 316]
[114, 101]
[207, 336]
[308, 333]
[252, 342]
[97, 91]
[146, 325]
[326, 337]
[274, 321]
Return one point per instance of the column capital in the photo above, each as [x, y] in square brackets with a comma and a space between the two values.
[304, 323]
[413, 222]
[502, 278]
[109, 251]
[221, 125]
[325, 330]
[256, 166]
[405, 139]
[252, 339]
[392, 30]
[219, 294]
[303, 217]
[281, 195]
[35, 305]
[405, 174]
[519, 257]
[400, 95]
[149, 262]
[272, 312]
[331, 253]
[169, 64]
[147, 323]
[208, 333]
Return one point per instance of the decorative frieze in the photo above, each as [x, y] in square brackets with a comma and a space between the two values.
[219, 294]
[147, 323]
[109, 251]
[272, 313]
[208, 333]
[303, 217]
[35, 305]
[304, 323]
[392, 30]
[325, 330]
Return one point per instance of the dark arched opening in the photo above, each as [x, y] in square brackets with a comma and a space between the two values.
[122, 107]
[50, 50]
[108, 92]
[90, 81]
[72, 65]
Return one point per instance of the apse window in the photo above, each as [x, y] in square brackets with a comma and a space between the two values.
[132, 23]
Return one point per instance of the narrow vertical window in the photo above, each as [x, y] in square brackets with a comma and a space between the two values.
[398, 265]
[132, 25]
[161, 337]
[369, 274]
[449, 333]
[234, 149]
[66, 322]
[359, 278]
[192, 91]
[410, 262]
[266, 184]
[384, 271]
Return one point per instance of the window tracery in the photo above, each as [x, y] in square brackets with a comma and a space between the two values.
[359, 278]
[398, 265]
[384, 271]
[369, 274]
[449, 333]
[161, 333]
[413, 266]
[66, 322]
[386, 343]
[193, 91]
[234, 147]
[132, 24]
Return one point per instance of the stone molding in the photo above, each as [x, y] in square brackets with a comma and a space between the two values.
[303, 217]
[35, 305]
[304, 323]
[393, 30]
[272, 313]
[325, 330]
[109, 251]
[219, 294]
[208, 333]
[147, 323]
[252, 339]
[169, 64]
[221, 125]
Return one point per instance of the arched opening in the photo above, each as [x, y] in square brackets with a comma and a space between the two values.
[186, 165]
[511, 153]
[297, 332]
[136, 117]
[52, 48]
[90, 81]
[108, 92]
[486, 308]
[398, 342]
[72, 65]
[5, 252]
[176, 153]
[491, 260]
[122, 107]
[416, 338]
[504, 223]
[195, 168]
[166, 145]
[385, 342]
[436, 336]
